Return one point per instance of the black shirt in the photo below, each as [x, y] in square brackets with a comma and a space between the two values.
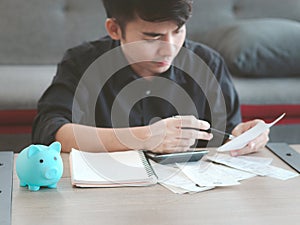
[95, 86]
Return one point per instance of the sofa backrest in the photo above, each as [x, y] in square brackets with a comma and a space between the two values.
[211, 14]
[39, 31]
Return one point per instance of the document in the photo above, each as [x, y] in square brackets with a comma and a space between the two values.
[242, 140]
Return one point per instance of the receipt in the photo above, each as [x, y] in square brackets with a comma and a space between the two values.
[237, 174]
[242, 140]
[279, 173]
[208, 174]
[260, 167]
[240, 163]
[173, 179]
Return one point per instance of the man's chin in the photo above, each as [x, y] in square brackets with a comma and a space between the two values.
[162, 70]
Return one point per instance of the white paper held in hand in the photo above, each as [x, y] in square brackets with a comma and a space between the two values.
[242, 140]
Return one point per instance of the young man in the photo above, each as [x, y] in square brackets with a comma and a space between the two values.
[142, 87]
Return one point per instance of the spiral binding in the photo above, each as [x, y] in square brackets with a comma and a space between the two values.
[147, 166]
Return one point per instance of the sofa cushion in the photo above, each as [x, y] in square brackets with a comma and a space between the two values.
[268, 91]
[22, 86]
[259, 47]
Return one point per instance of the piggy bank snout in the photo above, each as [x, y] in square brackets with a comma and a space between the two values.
[52, 173]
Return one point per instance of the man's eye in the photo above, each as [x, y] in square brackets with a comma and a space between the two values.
[179, 31]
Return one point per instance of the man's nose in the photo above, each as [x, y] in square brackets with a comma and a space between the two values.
[167, 46]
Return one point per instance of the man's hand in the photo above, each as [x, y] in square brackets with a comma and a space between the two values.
[168, 135]
[254, 145]
[175, 134]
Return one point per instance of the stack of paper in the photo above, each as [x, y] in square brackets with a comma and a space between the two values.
[200, 176]
[209, 174]
[175, 180]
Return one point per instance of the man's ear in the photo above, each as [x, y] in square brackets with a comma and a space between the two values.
[113, 29]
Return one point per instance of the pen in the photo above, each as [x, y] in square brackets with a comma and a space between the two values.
[226, 135]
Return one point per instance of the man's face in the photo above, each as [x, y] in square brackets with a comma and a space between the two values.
[151, 47]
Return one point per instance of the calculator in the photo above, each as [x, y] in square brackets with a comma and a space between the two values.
[177, 157]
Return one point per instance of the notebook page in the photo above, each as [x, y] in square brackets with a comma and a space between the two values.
[109, 168]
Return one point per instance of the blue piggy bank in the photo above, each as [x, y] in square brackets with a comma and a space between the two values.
[40, 165]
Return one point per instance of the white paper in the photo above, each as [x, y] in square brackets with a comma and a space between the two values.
[257, 159]
[260, 166]
[192, 190]
[176, 190]
[236, 174]
[280, 173]
[173, 179]
[207, 174]
[95, 169]
[242, 140]
[240, 163]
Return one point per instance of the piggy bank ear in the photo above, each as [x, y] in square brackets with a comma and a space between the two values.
[33, 149]
[56, 146]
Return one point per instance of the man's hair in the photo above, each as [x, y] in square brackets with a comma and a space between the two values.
[125, 11]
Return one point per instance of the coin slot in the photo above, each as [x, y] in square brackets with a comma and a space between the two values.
[289, 154]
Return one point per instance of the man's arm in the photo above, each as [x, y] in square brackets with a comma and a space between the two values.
[164, 136]
[93, 139]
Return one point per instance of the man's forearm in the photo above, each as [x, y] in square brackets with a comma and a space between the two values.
[93, 139]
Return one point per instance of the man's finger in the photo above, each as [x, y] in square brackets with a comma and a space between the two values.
[191, 122]
[195, 134]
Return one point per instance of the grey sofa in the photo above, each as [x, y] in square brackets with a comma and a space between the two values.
[36, 33]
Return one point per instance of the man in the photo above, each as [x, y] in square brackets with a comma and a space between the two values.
[142, 87]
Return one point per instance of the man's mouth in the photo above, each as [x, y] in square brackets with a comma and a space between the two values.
[162, 63]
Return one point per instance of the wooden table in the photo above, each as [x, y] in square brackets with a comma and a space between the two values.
[259, 200]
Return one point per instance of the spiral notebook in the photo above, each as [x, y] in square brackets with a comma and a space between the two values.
[128, 168]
